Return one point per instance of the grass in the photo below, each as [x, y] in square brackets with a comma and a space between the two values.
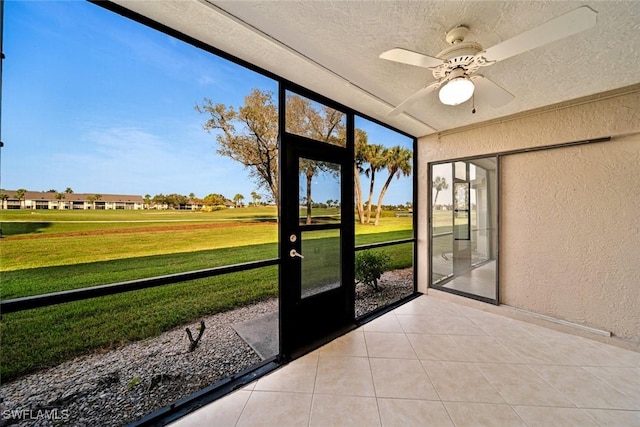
[39, 338]
[75, 249]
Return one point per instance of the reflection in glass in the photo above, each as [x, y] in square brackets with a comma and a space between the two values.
[464, 226]
[461, 211]
[319, 196]
[321, 263]
[315, 121]
[442, 222]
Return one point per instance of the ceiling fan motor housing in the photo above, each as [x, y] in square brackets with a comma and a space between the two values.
[465, 55]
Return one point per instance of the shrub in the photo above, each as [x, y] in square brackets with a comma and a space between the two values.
[370, 266]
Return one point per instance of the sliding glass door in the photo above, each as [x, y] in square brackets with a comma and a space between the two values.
[463, 230]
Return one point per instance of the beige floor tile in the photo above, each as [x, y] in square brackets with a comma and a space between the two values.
[348, 411]
[344, 376]
[623, 357]
[460, 382]
[539, 416]
[483, 414]
[389, 345]
[584, 389]
[401, 378]
[519, 385]
[612, 418]
[221, 413]
[459, 325]
[270, 408]
[626, 380]
[417, 306]
[413, 413]
[532, 350]
[298, 376]
[582, 351]
[437, 347]
[498, 326]
[351, 344]
[485, 349]
[250, 386]
[421, 324]
[387, 323]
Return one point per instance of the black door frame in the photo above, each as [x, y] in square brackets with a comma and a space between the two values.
[307, 323]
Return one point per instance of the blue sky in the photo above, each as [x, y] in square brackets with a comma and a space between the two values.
[101, 104]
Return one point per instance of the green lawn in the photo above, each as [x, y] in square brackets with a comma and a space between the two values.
[76, 249]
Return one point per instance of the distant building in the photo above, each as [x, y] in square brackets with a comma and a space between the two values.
[71, 201]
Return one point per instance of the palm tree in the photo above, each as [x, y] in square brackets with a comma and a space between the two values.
[255, 196]
[398, 164]
[309, 168]
[237, 199]
[439, 184]
[374, 154]
[3, 196]
[20, 195]
[360, 147]
[68, 190]
[60, 197]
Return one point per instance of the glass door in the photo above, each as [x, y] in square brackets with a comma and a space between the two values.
[464, 227]
[316, 243]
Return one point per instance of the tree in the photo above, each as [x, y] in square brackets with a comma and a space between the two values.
[3, 197]
[398, 161]
[248, 135]
[374, 154]
[60, 197]
[439, 184]
[326, 125]
[68, 190]
[93, 199]
[20, 194]
[254, 198]
[237, 199]
[215, 199]
[358, 168]
[147, 200]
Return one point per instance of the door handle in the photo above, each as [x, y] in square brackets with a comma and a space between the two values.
[293, 253]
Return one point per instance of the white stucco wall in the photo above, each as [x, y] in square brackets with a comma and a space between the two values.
[570, 222]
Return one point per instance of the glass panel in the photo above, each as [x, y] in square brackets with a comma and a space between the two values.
[464, 256]
[310, 119]
[128, 377]
[442, 222]
[321, 265]
[461, 211]
[395, 282]
[383, 178]
[319, 192]
[461, 171]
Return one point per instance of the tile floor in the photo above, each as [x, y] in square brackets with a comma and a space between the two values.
[432, 362]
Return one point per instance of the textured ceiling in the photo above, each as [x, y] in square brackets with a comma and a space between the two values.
[332, 47]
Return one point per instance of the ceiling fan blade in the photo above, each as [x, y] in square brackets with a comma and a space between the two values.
[558, 28]
[410, 57]
[494, 94]
[413, 98]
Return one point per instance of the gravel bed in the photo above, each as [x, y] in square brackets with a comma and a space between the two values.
[116, 387]
[393, 286]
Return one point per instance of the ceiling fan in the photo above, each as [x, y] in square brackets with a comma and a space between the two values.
[455, 67]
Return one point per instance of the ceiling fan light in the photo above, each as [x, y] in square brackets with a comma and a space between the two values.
[456, 91]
